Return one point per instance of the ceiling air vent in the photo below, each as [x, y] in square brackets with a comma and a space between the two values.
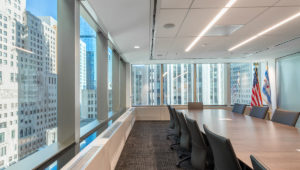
[223, 30]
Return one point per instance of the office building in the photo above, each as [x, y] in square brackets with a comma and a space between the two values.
[29, 71]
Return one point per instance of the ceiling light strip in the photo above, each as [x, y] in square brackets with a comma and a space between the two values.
[265, 31]
[216, 19]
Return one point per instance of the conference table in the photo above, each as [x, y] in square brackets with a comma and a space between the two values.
[274, 144]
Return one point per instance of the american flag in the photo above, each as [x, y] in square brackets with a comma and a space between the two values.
[256, 99]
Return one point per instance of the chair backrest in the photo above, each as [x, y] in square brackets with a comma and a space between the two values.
[200, 151]
[224, 156]
[171, 124]
[185, 136]
[176, 122]
[195, 105]
[285, 117]
[259, 112]
[257, 165]
[239, 108]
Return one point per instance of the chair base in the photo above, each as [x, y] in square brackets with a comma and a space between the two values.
[182, 160]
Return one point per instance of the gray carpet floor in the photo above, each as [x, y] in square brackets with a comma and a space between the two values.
[148, 149]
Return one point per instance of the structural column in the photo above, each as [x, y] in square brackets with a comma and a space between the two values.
[68, 79]
[102, 72]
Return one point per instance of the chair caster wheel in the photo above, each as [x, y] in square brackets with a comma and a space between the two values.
[178, 165]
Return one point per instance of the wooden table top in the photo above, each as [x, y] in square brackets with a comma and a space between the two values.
[276, 145]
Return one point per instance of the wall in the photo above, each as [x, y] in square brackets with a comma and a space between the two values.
[288, 80]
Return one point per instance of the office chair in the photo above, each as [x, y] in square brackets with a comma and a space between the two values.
[223, 153]
[185, 140]
[285, 117]
[177, 132]
[257, 165]
[259, 112]
[195, 105]
[201, 156]
[172, 124]
[239, 108]
[171, 130]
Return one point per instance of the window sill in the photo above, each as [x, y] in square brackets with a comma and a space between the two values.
[38, 158]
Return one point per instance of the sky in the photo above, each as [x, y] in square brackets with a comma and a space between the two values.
[42, 7]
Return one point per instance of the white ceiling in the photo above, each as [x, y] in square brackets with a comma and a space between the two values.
[130, 23]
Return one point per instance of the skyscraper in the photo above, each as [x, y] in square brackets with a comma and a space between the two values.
[88, 36]
[146, 88]
[28, 87]
[213, 84]
[241, 83]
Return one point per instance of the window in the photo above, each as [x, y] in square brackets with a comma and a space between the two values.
[178, 83]
[88, 73]
[3, 151]
[13, 134]
[2, 137]
[210, 84]
[23, 74]
[241, 79]
[145, 84]
[109, 79]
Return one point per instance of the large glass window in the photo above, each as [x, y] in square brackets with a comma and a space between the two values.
[241, 81]
[145, 84]
[178, 80]
[210, 84]
[109, 78]
[28, 78]
[88, 73]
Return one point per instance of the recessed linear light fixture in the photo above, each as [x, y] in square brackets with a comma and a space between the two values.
[136, 47]
[217, 17]
[265, 31]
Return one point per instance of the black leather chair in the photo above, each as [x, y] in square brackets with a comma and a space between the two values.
[171, 131]
[171, 124]
[177, 132]
[285, 117]
[257, 165]
[259, 112]
[201, 155]
[239, 108]
[223, 153]
[185, 140]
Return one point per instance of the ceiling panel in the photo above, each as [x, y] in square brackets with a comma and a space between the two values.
[162, 46]
[175, 3]
[209, 3]
[240, 16]
[239, 3]
[170, 44]
[267, 20]
[288, 3]
[174, 16]
[196, 20]
[255, 3]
